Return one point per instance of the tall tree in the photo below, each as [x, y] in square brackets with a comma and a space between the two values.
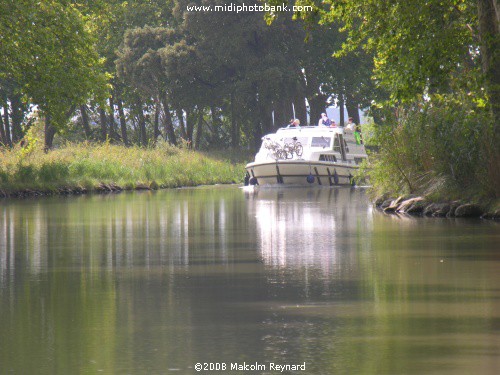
[139, 62]
[489, 32]
[49, 53]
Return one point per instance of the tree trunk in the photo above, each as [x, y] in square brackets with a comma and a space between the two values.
[180, 118]
[142, 125]
[190, 122]
[377, 115]
[6, 122]
[157, 121]
[123, 122]
[112, 123]
[3, 138]
[283, 113]
[489, 32]
[317, 106]
[17, 118]
[288, 110]
[352, 108]
[316, 99]
[280, 117]
[85, 121]
[169, 126]
[265, 118]
[300, 109]
[215, 125]
[341, 109]
[104, 126]
[235, 129]
[199, 130]
[257, 135]
[49, 133]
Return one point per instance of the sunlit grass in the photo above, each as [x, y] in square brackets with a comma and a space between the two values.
[90, 166]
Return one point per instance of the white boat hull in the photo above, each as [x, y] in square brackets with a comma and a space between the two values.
[300, 172]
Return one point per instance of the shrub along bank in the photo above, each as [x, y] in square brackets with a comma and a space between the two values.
[444, 153]
[84, 167]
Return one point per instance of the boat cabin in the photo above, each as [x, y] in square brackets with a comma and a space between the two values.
[334, 145]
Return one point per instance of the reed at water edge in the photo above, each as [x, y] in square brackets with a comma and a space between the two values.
[445, 151]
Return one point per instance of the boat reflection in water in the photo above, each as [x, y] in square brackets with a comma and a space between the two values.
[308, 227]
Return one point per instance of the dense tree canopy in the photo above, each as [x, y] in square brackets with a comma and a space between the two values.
[437, 67]
[49, 60]
[136, 71]
[423, 47]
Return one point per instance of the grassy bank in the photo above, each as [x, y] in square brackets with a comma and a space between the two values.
[88, 167]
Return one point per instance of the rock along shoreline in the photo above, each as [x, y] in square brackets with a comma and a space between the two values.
[420, 206]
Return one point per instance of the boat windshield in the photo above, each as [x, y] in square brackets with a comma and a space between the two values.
[324, 142]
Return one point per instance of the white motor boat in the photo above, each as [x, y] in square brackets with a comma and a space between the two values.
[307, 155]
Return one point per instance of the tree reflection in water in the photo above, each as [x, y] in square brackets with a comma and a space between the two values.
[146, 282]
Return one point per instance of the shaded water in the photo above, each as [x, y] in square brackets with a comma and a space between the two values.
[153, 283]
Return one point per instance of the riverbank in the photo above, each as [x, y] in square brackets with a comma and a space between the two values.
[439, 159]
[422, 206]
[84, 168]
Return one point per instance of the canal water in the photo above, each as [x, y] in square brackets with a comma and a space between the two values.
[242, 282]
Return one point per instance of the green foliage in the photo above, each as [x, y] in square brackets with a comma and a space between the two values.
[26, 173]
[4, 177]
[169, 71]
[50, 54]
[417, 44]
[55, 172]
[439, 149]
[441, 109]
[139, 62]
[31, 142]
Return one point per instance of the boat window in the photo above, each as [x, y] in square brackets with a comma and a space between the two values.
[302, 140]
[336, 144]
[324, 157]
[321, 142]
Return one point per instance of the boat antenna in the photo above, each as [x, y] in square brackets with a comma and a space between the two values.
[293, 109]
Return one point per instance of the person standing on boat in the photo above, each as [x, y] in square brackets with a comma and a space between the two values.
[324, 120]
[357, 134]
[350, 124]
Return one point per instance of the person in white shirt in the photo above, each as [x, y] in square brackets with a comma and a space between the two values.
[350, 124]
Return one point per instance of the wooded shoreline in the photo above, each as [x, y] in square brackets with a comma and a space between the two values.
[146, 73]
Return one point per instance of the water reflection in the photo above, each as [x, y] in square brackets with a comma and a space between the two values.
[151, 282]
[308, 227]
[114, 231]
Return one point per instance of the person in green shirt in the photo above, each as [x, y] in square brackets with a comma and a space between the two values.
[357, 134]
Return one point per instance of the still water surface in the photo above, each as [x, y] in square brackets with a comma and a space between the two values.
[156, 282]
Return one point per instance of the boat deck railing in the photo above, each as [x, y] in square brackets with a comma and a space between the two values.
[321, 128]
